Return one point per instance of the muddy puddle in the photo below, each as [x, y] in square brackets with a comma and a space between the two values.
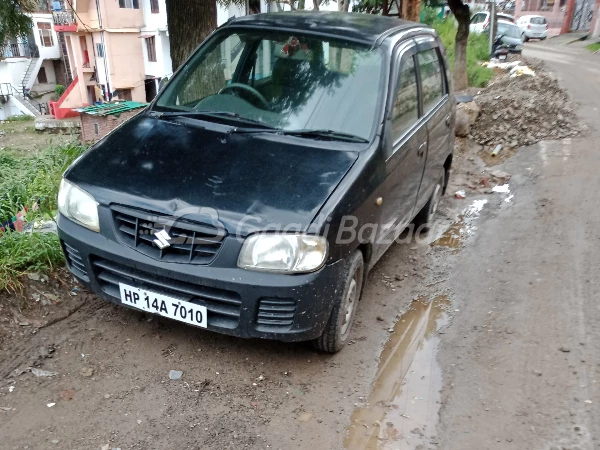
[402, 409]
[454, 237]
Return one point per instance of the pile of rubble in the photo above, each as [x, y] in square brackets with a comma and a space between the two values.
[523, 110]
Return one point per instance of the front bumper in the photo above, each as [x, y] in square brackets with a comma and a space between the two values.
[240, 302]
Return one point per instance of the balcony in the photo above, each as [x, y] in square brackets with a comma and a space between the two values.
[64, 21]
[15, 50]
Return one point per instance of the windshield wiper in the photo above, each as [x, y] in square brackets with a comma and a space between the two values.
[211, 115]
[315, 134]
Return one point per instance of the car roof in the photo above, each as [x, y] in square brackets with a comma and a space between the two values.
[506, 22]
[367, 28]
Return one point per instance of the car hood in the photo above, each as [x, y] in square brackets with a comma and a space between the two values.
[252, 181]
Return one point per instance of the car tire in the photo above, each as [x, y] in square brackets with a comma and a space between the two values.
[335, 336]
[542, 39]
[426, 216]
[525, 38]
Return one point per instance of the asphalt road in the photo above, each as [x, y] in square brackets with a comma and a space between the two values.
[521, 361]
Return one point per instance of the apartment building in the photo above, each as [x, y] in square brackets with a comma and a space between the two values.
[31, 67]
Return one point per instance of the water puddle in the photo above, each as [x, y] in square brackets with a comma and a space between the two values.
[402, 409]
[464, 227]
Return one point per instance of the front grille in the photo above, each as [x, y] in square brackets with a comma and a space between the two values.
[74, 261]
[190, 242]
[277, 312]
[223, 306]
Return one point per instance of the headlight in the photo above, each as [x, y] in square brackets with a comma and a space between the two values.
[78, 205]
[289, 253]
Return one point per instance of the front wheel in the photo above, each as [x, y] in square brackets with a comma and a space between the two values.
[335, 336]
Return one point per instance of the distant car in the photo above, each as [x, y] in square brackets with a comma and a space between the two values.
[511, 36]
[533, 27]
[481, 20]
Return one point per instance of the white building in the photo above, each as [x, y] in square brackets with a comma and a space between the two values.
[156, 46]
[30, 69]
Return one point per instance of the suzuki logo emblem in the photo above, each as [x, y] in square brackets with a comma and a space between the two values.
[162, 239]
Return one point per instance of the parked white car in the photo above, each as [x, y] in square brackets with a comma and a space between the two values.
[481, 20]
[533, 27]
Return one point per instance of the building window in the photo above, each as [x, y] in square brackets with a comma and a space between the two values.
[96, 129]
[100, 50]
[151, 44]
[130, 4]
[154, 9]
[45, 30]
[123, 94]
[42, 78]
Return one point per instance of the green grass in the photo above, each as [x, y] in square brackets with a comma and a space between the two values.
[21, 118]
[594, 47]
[477, 50]
[33, 180]
[25, 182]
[27, 252]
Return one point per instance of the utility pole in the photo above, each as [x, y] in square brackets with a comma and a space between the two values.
[492, 18]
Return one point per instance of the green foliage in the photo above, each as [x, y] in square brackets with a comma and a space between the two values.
[429, 15]
[595, 47]
[27, 252]
[477, 50]
[25, 181]
[59, 90]
[14, 23]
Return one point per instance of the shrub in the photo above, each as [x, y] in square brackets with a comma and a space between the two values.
[59, 90]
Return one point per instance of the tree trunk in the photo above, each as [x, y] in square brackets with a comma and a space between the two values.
[462, 14]
[414, 10]
[189, 22]
[343, 5]
[315, 5]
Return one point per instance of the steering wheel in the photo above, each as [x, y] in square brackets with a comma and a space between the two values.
[247, 88]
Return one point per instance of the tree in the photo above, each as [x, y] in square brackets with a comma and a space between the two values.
[189, 22]
[14, 21]
[463, 17]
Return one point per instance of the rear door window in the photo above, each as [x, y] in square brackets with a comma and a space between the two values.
[432, 81]
[406, 105]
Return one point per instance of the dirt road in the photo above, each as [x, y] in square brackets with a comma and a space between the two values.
[506, 299]
[521, 362]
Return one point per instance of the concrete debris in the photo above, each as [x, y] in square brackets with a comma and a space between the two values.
[86, 372]
[175, 374]
[472, 110]
[462, 126]
[43, 373]
[521, 111]
[460, 194]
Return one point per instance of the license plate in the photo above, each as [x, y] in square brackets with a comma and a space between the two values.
[163, 305]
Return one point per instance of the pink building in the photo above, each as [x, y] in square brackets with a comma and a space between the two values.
[103, 45]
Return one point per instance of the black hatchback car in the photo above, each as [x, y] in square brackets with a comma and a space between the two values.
[268, 176]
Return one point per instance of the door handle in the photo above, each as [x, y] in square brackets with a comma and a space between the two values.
[448, 120]
[421, 150]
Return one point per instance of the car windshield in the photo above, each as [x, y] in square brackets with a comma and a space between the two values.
[509, 30]
[285, 81]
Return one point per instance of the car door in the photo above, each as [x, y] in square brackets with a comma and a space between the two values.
[437, 110]
[405, 147]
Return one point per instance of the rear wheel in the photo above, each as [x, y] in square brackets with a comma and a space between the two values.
[426, 216]
[335, 336]
[525, 38]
